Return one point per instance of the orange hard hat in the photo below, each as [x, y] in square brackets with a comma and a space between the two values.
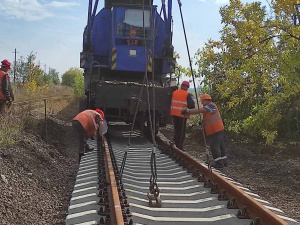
[205, 97]
[5, 62]
[100, 112]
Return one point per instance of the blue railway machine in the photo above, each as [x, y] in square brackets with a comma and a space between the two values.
[128, 60]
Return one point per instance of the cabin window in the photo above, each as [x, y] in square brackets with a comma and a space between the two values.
[133, 20]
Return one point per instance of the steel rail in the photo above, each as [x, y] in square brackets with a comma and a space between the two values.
[254, 208]
[114, 201]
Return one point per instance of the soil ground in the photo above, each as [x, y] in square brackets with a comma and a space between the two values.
[37, 176]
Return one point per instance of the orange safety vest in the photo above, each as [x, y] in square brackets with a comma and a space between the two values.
[212, 122]
[179, 101]
[87, 118]
[132, 42]
[2, 96]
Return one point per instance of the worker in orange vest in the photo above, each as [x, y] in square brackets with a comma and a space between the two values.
[6, 94]
[180, 99]
[132, 34]
[87, 123]
[213, 127]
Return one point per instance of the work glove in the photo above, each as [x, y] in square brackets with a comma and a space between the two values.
[185, 111]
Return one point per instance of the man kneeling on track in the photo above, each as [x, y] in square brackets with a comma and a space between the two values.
[213, 127]
[87, 123]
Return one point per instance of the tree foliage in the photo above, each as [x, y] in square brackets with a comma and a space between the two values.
[78, 86]
[27, 70]
[254, 69]
[68, 78]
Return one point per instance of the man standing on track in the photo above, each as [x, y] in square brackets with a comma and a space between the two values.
[213, 127]
[87, 123]
[180, 99]
[6, 94]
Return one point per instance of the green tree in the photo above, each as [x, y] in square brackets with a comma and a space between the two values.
[54, 76]
[78, 86]
[253, 70]
[68, 78]
[27, 69]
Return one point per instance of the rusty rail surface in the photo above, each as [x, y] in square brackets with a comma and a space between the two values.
[114, 202]
[248, 206]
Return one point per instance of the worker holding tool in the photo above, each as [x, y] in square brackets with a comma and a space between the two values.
[6, 94]
[213, 127]
[87, 123]
[180, 99]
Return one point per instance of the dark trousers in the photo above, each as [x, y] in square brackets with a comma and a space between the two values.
[216, 143]
[80, 135]
[179, 131]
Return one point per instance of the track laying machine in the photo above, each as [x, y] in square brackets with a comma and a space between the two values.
[128, 60]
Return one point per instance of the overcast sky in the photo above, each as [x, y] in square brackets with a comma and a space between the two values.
[53, 29]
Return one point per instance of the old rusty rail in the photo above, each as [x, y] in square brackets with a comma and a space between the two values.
[255, 210]
[114, 202]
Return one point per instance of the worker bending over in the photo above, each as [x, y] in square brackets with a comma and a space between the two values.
[213, 127]
[180, 99]
[86, 124]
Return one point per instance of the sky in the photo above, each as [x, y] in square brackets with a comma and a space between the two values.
[53, 29]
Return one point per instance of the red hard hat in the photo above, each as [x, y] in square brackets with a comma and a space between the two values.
[5, 62]
[186, 83]
[100, 112]
[205, 97]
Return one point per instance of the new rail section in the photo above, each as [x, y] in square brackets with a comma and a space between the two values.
[190, 192]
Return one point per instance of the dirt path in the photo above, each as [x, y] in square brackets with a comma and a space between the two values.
[273, 173]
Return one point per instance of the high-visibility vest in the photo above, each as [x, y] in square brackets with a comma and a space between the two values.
[87, 118]
[212, 122]
[2, 96]
[132, 42]
[179, 101]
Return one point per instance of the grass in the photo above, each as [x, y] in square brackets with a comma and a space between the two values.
[30, 106]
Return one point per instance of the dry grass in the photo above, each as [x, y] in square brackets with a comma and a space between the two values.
[29, 107]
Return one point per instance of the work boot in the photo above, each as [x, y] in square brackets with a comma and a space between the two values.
[225, 162]
[218, 164]
[88, 149]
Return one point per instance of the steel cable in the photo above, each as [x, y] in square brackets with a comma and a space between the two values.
[192, 72]
[140, 95]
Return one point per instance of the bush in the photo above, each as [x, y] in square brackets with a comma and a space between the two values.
[78, 86]
[68, 78]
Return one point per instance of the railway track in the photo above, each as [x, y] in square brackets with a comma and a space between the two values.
[189, 191]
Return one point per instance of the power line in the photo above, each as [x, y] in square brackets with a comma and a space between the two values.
[8, 46]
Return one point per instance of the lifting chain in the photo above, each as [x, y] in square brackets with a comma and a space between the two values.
[153, 188]
[123, 161]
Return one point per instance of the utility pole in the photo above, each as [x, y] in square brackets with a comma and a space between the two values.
[45, 72]
[15, 65]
